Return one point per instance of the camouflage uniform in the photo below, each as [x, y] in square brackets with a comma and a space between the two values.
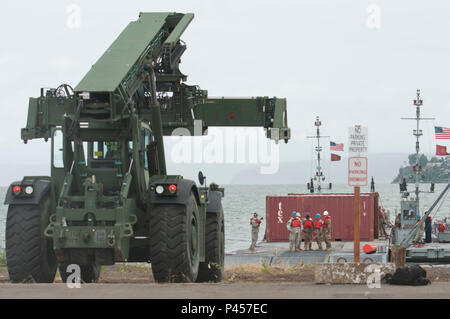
[418, 239]
[326, 233]
[318, 234]
[255, 223]
[294, 234]
[398, 221]
[308, 235]
[298, 245]
[382, 224]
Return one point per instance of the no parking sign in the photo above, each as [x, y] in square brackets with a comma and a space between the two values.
[357, 171]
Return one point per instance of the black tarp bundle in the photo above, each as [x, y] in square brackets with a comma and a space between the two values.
[409, 275]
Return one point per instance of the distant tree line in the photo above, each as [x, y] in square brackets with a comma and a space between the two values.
[436, 170]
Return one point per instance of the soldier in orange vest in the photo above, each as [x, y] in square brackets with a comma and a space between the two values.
[299, 242]
[308, 230]
[318, 231]
[442, 227]
[294, 226]
[326, 230]
[255, 222]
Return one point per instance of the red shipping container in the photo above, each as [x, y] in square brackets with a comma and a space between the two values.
[339, 207]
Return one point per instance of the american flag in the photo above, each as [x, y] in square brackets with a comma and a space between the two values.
[336, 147]
[442, 133]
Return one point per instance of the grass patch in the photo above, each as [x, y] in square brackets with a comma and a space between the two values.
[265, 272]
[266, 269]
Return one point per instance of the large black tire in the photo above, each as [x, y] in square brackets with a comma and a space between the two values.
[89, 273]
[212, 268]
[28, 251]
[174, 242]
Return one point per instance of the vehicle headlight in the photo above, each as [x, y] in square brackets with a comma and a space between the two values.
[159, 189]
[29, 190]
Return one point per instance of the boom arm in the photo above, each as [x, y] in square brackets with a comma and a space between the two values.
[269, 113]
[120, 85]
[261, 111]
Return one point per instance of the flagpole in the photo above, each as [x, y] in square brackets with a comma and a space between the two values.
[319, 173]
[417, 133]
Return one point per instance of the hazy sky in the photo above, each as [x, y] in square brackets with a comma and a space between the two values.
[328, 58]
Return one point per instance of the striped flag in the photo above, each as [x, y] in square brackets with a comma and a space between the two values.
[442, 133]
[335, 157]
[336, 147]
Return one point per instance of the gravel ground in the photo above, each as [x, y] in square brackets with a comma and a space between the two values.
[142, 273]
[135, 281]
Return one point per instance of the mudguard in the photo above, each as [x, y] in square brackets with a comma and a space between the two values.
[215, 202]
[184, 187]
[41, 188]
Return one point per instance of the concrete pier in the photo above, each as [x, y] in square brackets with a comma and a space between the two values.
[277, 253]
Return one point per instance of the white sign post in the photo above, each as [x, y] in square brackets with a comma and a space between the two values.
[357, 176]
[357, 156]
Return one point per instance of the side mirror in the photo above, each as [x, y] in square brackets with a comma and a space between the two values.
[201, 178]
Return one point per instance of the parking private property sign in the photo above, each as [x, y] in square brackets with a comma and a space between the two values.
[357, 141]
[357, 155]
